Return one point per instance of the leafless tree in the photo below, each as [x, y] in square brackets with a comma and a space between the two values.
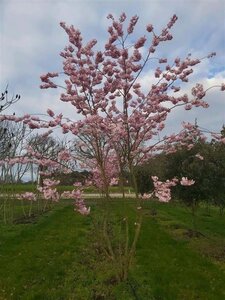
[5, 101]
[48, 147]
[13, 138]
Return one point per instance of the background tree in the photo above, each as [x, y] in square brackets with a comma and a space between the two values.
[156, 166]
[204, 163]
[46, 147]
[11, 146]
[12, 141]
[5, 102]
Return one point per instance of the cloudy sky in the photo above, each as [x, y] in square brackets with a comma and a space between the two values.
[31, 40]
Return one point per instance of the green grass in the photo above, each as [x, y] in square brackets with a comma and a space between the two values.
[57, 257]
[17, 188]
[171, 260]
[13, 210]
[92, 189]
[36, 258]
[27, 187]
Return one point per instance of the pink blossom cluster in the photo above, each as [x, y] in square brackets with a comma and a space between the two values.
[77, 184]
[199, 156]
[27, 196]
[64, 155]
[218, 137]
[51, 165]
[185, 138]
[162, 190]
[82, 209]
[79, 204]
[146, 196]
[47, 81]
[114, 181]
[106, 174]
[15, 160]
[186, 182]
[49, 190]
[50, 183]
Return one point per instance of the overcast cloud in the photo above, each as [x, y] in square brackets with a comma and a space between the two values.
[31, 40]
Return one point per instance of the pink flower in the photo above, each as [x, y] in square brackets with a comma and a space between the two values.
[162, 189]
[149, 27]
[140, 43]
[64, 155]
[172, 21]
[50, 183]
[50, 113]
[146, 196]
[190, 146]
[132, 24]
[163, 60]
[114, 181]
[186, 182]
[83, 210]
[199, 156]
[188, 107]
[66, 195]
[77, 184]
[27, 196]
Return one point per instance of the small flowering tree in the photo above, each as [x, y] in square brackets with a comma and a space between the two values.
[121, 117]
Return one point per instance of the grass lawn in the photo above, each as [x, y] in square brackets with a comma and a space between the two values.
[28, 187]
[56, 256]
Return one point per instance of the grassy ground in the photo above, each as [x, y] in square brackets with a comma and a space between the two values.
[11, 209]
[56, 256]
[21, 188]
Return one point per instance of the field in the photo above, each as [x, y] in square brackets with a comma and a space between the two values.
[23, 187]
[55, 256]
